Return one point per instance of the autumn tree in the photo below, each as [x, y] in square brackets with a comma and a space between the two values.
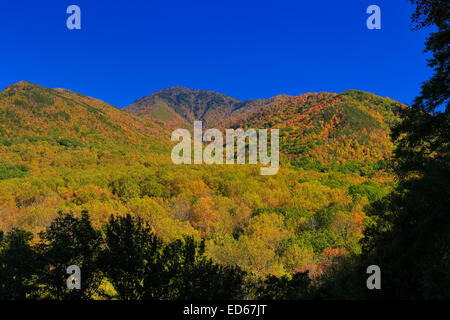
[204, 215]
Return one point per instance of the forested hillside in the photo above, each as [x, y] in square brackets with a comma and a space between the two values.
[318, 130]
[326, 130]
[65, 152]
[178, 105]
[29, 112]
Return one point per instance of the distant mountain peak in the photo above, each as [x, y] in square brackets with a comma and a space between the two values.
[22, 84]
[175, 104]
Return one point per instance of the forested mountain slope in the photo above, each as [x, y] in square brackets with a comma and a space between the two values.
[59, 116]
[64, 152]
[177, 103]
[319, 130]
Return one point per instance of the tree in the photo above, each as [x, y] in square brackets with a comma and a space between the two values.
[204, 216]
[424, 133]
[18, 266]
[70, 241]
[130, 247]
[410, 239]
[286, 288]
[184, 272]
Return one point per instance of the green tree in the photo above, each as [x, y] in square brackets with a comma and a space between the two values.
[285, 288]
[410, 236]
[130, 247]
[18, 266]
[70, 241]
[184, 272]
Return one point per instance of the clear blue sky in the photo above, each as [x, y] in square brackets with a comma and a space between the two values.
[246, 49]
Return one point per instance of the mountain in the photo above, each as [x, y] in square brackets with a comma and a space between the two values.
[61, 151]
[317, 129]
[29, 112]
[321, 129]
[178, 104]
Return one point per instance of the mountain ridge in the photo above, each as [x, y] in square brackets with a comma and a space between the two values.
[217, 106]
[317, 129]
[31, 110]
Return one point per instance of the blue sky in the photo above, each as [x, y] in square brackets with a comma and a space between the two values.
[246, 49]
